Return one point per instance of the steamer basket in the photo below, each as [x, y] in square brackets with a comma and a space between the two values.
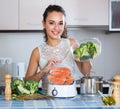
[62, 90]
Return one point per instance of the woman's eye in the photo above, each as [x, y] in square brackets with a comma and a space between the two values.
[61, 23]
[51, 23]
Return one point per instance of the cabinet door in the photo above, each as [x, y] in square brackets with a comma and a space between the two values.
[31, 13]
[8, 14]
[85, 12]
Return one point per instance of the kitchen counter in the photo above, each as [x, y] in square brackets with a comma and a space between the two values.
[78, 102]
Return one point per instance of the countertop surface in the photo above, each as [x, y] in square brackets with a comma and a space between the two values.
[78, 102]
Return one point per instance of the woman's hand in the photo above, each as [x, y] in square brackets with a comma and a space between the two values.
[50, 65]
[84, 67]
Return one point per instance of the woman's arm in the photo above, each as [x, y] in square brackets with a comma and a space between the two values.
[84, 67]
[32, 73]
[33, 67]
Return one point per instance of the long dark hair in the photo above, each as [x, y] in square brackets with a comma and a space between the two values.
[50, 9]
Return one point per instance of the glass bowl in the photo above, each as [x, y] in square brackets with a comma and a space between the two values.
[87, 50]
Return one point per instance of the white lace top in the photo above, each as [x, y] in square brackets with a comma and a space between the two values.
[62, 52]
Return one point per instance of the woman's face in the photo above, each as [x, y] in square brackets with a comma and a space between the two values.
[54, 24]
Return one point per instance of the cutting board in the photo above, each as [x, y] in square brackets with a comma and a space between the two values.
[33, 97]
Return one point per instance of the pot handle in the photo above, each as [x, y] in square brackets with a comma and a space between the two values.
[78, 81]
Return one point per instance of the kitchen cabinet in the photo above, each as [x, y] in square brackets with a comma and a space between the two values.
[27, 14]
[31, 13]
[9, 14]
[85, 12]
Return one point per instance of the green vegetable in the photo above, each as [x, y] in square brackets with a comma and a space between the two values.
[108, 100]
[19, 87]
[88, 50]
[77, 52]
[32, 86]
[23, 90]
[14, 86]
[89, 44]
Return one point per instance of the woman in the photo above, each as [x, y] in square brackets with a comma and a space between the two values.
[56, 50]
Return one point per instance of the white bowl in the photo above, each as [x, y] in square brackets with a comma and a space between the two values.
[62, 90]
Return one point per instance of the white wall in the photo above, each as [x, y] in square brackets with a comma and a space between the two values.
[19, 46]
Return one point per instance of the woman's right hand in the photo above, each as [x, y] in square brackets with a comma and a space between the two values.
[50, 65]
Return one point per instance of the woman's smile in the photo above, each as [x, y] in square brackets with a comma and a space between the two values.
[56, 33]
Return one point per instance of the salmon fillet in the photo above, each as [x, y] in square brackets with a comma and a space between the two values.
[60, 76]
[69, 80]
[59, 79]
[59, 71]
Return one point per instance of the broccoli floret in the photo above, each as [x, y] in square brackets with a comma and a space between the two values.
[96, 47]
[93, 51]
[88, 50]
[84, 50]
[22, 90]
[32, 86]
[89, 44]
[77, 52]
[14, 86]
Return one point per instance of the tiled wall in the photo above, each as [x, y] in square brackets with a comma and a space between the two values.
[19, 46]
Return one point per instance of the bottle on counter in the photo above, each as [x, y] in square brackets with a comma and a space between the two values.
[8, 92]
[115, 92]
[117, 77]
